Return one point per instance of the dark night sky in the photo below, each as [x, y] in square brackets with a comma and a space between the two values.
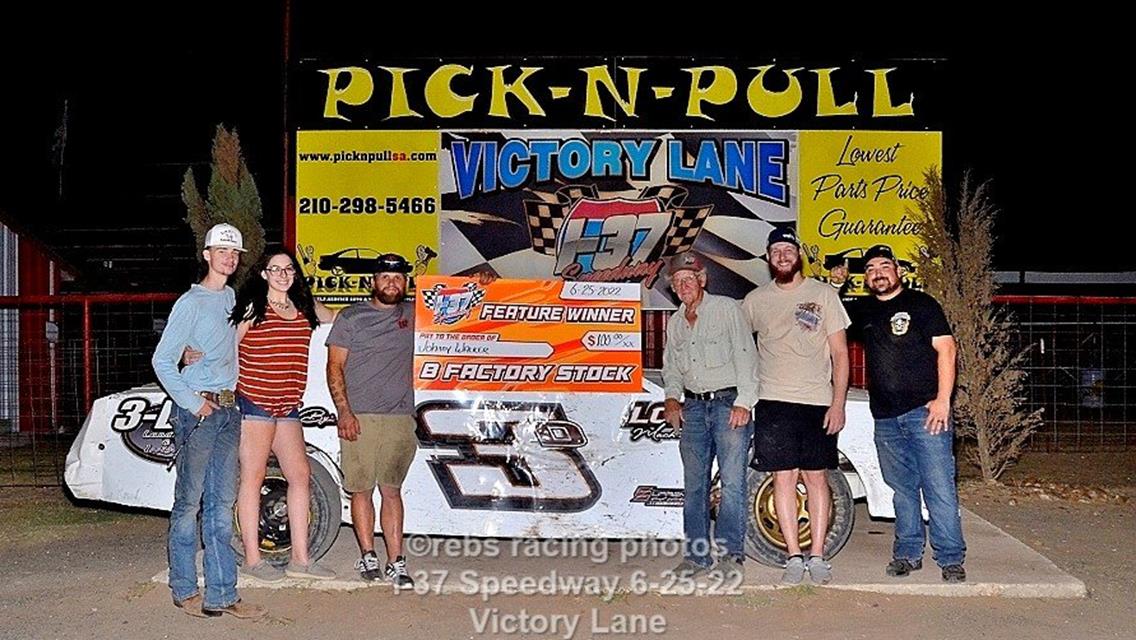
[145, 91]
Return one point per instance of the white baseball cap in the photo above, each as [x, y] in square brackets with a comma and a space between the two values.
[224, 235]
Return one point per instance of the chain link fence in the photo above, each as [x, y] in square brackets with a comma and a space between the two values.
[59, 353]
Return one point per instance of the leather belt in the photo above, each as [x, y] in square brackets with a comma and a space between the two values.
[707, 395]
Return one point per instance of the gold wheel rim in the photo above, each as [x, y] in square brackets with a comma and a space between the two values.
[765, 515]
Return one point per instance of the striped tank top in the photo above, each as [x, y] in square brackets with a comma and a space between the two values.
[274, 362]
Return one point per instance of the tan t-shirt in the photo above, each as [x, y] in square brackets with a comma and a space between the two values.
[794, 362]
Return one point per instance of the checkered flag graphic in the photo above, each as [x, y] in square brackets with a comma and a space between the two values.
[686, 222]
[545, 218]
[668, 194]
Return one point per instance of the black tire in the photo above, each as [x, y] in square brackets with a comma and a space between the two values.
[324, 515]
[764, 541]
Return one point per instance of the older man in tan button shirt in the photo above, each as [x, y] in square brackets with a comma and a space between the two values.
[710, 375]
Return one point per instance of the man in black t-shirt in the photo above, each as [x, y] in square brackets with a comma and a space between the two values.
[911, 373]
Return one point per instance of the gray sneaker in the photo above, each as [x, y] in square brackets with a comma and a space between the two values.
[794, 570]
[313, 571]
[263, 572]
[689, 569]
[729, 568]
[820, 570]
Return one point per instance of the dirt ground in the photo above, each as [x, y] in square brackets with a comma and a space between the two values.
[70, 571]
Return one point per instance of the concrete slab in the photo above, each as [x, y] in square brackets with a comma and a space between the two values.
[997, 565]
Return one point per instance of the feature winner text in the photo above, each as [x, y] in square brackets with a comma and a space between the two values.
[480, 372]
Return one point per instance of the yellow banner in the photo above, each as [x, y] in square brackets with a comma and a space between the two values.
[360, 194]
[856, 190]
[527, 335]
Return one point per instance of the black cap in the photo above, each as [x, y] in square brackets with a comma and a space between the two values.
[879, 251]
[782, 234]
[392, 263]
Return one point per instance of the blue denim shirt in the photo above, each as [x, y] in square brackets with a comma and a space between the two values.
[199, 319]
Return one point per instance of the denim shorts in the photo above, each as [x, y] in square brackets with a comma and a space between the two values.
[251, 411]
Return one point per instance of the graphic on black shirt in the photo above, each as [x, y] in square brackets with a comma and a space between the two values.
[902, 362]
[900, 323]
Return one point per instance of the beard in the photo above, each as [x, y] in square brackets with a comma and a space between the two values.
[387, 297]
[786, 276]
[883, 286]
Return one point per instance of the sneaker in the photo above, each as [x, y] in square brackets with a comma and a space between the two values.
[369, 567]
[902, 567]
[794, 570]
[263, 572]
[688, 569]
[397, 574]
[954, 573]
[312, 571]
[729, 568]
[191, 605]
[238, 609]
[820, 570]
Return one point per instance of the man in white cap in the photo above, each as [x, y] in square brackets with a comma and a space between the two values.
[206, 426]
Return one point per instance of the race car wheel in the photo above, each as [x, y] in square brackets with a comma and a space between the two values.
[324, 513]
[765, 541]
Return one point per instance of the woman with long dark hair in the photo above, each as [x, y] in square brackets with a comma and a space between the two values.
[275, 315]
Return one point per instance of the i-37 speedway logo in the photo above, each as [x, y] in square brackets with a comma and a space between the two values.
[614, 239]
[452, 304]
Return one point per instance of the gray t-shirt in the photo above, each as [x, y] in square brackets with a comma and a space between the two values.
[380, 358]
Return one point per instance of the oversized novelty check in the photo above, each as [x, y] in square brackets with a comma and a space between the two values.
[527, 335]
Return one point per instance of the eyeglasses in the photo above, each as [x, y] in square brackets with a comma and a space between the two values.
[275, 270]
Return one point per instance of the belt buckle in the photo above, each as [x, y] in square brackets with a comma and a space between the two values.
[226, 398]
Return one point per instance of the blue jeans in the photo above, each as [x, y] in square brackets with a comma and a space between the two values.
[206, 483]
[706, 433]
[915, 462]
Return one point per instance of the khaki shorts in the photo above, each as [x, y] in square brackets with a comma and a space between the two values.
[381, 455]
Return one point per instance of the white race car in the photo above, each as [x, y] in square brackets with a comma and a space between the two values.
[509, 465]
